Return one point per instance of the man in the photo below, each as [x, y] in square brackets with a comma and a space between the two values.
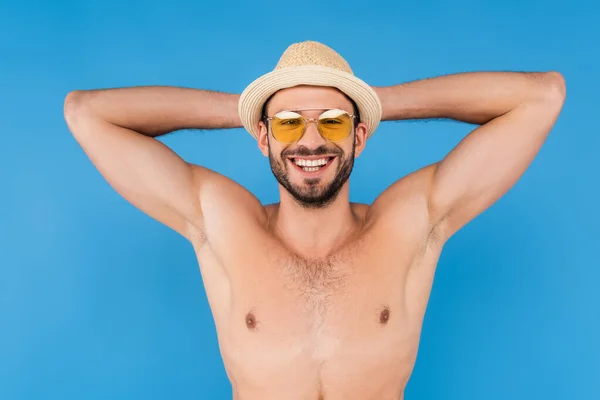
[317, 297]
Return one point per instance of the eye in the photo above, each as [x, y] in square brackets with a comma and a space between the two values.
[290, 122]
[330, 121]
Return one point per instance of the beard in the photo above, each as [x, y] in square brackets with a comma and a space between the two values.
[311, 194]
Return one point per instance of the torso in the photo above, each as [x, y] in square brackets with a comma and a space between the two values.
[344, 327]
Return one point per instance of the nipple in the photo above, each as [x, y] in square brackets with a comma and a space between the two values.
[384, 316]
[250, 321]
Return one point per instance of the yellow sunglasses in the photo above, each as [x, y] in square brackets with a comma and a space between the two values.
[289, 126]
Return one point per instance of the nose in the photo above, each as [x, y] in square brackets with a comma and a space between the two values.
[312, 137]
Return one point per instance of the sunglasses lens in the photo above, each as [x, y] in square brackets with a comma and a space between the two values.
[335, 125]
[287, 126]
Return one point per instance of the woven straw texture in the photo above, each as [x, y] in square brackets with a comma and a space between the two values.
[309, 63]
[312, 53]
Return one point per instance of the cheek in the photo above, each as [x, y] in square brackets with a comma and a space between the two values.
[347, 149]
[275, 153]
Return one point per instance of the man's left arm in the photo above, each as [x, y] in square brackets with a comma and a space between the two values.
[516, 112]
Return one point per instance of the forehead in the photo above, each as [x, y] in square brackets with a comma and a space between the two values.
[308, 97]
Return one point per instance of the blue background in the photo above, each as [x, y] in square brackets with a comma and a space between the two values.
[98, 301]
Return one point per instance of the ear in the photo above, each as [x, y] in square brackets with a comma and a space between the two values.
[263, 139]
[360, 138]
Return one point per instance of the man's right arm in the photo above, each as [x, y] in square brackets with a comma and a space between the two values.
[117, 128]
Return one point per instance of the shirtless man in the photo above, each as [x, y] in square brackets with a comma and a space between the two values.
[316, 297]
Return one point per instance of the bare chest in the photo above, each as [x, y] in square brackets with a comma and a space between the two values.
[273, 294]
[280, 316]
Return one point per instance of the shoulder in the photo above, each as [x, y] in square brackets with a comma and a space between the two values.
[224, 203]
[412, 189]
[404, 205]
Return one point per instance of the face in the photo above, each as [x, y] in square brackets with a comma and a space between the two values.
[298, 166]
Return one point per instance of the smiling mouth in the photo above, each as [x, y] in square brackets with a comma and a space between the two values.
[311, 165]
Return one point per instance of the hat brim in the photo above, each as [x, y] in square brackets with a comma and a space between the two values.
[254, 96]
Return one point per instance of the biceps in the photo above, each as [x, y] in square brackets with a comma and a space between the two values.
[487, 163]
[141, 169]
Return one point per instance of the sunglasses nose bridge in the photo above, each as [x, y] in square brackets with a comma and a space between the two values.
[311, 132]
[308, 121]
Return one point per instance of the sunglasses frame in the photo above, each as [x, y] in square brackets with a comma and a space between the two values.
[309, 120]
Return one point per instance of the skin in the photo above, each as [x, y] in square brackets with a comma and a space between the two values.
[319, 302]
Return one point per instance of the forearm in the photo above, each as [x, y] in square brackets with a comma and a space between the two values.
[475, 97]
[157, 110]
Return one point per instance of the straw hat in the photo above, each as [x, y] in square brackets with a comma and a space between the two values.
[309, 63]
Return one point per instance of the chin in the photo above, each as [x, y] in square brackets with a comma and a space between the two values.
[312, 189]
[314, 197]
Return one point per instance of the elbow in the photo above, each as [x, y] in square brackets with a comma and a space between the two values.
[556, 88]
[73, 105]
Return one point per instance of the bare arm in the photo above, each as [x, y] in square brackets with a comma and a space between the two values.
[516, 112]
[116, 129]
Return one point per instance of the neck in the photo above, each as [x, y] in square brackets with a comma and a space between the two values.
[314, 233]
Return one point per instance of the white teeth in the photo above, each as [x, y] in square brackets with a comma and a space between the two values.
[310, 163]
